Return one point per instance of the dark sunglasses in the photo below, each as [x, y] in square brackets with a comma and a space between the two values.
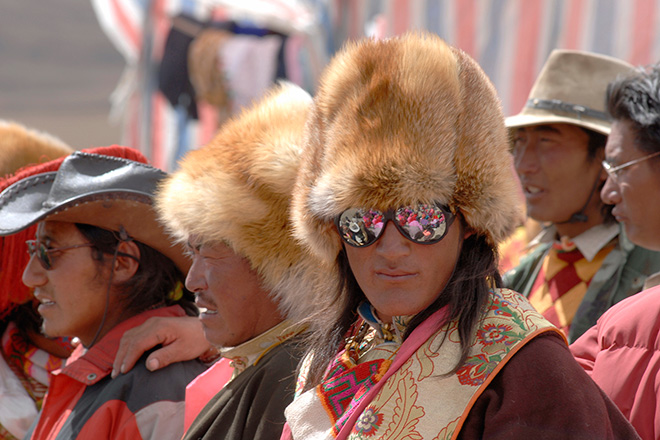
[422, 223]
[43, 253]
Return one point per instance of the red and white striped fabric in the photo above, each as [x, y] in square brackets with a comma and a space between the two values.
[139, 29]
[510, 39]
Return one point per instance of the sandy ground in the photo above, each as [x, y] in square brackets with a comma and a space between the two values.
[57, 70]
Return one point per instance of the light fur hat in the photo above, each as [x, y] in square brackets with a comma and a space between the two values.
[21, 146]
[237, 190]
[405, 120]
[571, 89]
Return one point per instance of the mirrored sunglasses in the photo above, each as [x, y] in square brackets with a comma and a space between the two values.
[43, 253]
[421, 223]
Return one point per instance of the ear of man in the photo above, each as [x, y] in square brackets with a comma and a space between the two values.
[127, 261]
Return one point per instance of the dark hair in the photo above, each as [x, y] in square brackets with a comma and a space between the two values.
[155, 278]
[636, 98]
[595, 144]
[466, 294]
[27, 319]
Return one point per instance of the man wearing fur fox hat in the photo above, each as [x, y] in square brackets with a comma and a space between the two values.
[21, 146]
[407, 187]
[228, 203]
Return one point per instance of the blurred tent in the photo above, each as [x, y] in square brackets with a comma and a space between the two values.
[509, 38]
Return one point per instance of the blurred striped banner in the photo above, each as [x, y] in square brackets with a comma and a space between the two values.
[510, 39]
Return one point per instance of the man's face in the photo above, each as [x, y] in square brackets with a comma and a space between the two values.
[556, 172]
[400, 277]
[237, 307]
[635, 189]
[72, 293]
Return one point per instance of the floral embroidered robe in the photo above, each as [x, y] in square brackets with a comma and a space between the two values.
[417, 399]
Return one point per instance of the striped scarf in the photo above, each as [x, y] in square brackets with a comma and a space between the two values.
[31, 364]
[562, 283]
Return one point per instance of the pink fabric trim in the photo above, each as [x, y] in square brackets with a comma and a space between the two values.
[420, 335]
[286, 432]
[200, 391]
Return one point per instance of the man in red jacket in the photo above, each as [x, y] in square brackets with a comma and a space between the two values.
[621, 351]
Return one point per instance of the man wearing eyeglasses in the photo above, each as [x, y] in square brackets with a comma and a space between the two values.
[620, 353]
[581, 263]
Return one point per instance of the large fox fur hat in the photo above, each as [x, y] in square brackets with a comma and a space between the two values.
[400, 121]
[237, 190]
[21, 146]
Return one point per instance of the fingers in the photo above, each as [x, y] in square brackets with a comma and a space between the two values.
[182, 339]
[164, 356]
[135, 342]
[187, 342]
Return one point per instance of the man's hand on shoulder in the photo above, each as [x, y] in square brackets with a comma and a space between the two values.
[182, 339]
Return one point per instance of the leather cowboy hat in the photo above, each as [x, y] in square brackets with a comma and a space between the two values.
[104, 191]
[571, 89]
[13, 257]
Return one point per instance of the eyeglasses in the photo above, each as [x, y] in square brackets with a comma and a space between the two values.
[422, 223]
[613, 171]
[43, 252]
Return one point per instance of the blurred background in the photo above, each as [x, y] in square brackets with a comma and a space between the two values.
[57, 70]
[161, 75]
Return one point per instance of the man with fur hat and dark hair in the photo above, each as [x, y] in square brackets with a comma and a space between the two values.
[256, 286]
[581, 263]
[99, 265]
[407, 187]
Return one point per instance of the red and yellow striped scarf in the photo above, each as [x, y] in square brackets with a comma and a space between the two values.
[562, 283]
[29, 363]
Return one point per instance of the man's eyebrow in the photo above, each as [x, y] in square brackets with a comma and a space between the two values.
[545, 128]
[45, 238]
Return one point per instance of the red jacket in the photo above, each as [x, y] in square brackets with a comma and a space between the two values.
[84, 402]
[621, 353]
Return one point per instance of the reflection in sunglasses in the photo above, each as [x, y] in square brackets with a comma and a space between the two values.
[422, 224]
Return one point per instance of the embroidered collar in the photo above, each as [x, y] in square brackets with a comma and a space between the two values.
[590, 242]
[250, 352]
[385, 332]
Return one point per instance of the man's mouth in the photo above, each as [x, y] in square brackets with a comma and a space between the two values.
[45, 301]
[530, 189]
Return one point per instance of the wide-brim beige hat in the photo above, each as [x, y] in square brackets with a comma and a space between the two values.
[571, 89]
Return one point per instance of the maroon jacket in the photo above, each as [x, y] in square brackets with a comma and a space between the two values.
[622, 354]
[572, 408]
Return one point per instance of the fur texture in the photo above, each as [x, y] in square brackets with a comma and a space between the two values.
[21, 146]
[400, 121]
[237, 190]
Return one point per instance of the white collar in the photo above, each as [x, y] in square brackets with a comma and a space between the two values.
[250, 352]
[590, 242]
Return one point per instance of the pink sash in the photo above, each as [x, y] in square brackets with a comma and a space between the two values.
[202, 389]
[420, 335]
